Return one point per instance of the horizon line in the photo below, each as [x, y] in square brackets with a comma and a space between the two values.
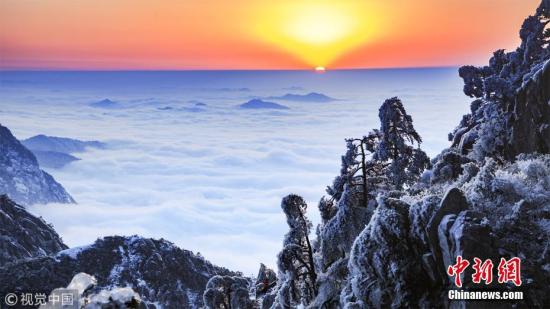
[224, 70]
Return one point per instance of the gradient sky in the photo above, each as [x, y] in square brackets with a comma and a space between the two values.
[261, 34]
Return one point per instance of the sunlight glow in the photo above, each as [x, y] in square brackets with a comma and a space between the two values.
[254, 34]
[318, 25]
[318, 32]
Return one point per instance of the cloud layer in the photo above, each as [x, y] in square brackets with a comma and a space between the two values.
[212, 180]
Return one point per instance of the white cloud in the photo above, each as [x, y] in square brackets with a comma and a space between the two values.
[211, 181]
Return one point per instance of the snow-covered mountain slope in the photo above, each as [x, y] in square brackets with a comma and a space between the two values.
[23, 235]
[21, 177]
[157, 270]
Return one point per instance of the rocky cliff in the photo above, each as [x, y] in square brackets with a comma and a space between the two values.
[23, 235]
[21, 177]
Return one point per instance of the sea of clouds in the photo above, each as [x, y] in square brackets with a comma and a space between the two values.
[210, 178]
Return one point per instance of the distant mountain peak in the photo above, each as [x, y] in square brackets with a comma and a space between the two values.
[43, 142]
[105, 103]
[56, 152]
[261, 104]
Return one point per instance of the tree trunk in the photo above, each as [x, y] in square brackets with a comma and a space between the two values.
[364, 171]
[229, 298]
[312, 273]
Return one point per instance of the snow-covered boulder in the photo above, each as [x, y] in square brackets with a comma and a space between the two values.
[265, 281]
[384, 271]
[83, 288]
[468, 235]
[453, 203]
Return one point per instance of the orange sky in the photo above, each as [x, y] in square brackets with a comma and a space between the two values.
[260, 34]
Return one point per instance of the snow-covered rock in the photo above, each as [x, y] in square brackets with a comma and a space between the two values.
[265, 281]
[384, 271]
[114, 298]
[468, 235]
[21, 177]
[157, 270]
[23, 235]
[86, 295]
[82, 282]
[453, 203]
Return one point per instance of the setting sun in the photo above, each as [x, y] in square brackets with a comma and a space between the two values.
[317, 32]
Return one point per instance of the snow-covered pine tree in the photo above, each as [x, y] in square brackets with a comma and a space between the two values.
[349, 166]
[227, 292]
[495, 127]
[297, 276]
[358, 170]
[384, 158]
[382, 161]
[396, 145]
